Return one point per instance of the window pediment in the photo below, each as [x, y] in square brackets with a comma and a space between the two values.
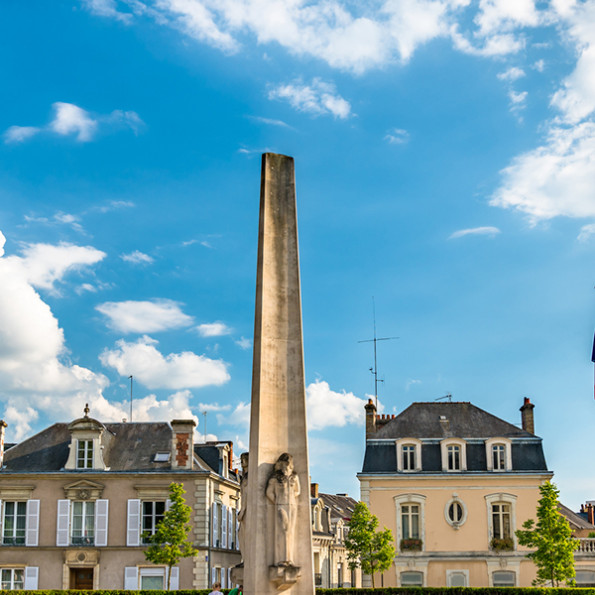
[83, 490]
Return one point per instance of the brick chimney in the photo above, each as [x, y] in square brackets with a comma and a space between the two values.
[370, 418]
[527, 417]
[3, 425]
[182, 443]
[314, 490]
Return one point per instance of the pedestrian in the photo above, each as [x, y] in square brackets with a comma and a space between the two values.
[236, 590]
[216, 589]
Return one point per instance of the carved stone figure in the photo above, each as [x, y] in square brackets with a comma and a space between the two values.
[244, 503]
[283, 489]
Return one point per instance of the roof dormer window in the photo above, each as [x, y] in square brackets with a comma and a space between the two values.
[84, 454]
[454, 455]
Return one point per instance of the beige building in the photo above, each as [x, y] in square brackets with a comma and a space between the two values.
[453, 483]
[75, 500]
[331, 514]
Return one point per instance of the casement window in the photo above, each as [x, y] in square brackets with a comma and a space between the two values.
[498, 454]
[501, 520]
[454, 455]
[152, 515]
[455, 512]
[504, 578]
[84, 454]
[411, 578]
[408, 455]
[501, 509]
[150, 577]
[19, 522]
[14, 523]
[82, 522]
[13, 578]
[410, 520]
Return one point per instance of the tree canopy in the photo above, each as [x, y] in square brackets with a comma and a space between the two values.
[169, 542]
[367, 548]
[552, 539]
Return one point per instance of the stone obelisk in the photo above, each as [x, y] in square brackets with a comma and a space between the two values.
[278, 539]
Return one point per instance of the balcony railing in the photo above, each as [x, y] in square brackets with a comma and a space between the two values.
[586, 546]
[6, 540]
[83, 540]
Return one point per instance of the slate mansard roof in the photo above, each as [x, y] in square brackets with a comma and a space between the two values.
[433, 422]
[127, 447]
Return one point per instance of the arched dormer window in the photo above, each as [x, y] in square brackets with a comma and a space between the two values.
[408, 455]
[454, 455]
[498, 454]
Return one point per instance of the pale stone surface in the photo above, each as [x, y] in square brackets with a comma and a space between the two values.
[278, 410]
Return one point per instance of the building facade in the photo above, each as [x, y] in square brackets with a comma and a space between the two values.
[453, 483]
[77, 501]
[331, 514]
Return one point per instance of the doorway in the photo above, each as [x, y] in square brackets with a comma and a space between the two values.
[81, 578]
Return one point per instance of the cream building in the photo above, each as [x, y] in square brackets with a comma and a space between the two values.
[453, 483]
[76, 498]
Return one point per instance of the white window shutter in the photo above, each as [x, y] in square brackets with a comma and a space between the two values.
[229, 577]
[63, 523]
[174, 582]
[237, 534]
[229, 527]
[224, 526]
[32, 524]
[101, 518]
[1, 515]
[213, 575]
[133, 523]
[215, 524]
[131, 578]
[223, 578]
[167, 504]
[31, 577]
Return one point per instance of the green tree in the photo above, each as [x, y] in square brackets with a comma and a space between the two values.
[169, 542]
[372, 550]
[552, 539]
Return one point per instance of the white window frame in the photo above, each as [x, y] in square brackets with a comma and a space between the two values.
[15, 516]
[444, 444]
[85, 517]
[149, 571]
[12, 571]
[417, 454]
[409, 499]
[493, 582]
[455, 524]
[153, 517]
[490, 444]
[86, 460]
[451, 573]
[502, 498]
[412, 571]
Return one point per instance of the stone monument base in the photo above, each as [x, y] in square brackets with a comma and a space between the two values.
[284, 576]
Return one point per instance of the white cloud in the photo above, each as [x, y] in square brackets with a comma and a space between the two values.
[539, 65]
[71, 120]
[329, 408]
[150, 408]
[213, 329]
[144, 316]
[397, 136]
[137, 257]
[244, 343]
[271, 122]
[173, 371]
[556, 179]
[107, 8]
[475, 231]
[512, 74]
[35, 374]
[240, 416]
[506, 15]
[18, 134]
[43, 265]
[587, 232]
[317, 98]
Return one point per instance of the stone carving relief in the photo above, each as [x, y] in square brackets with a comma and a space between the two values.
[244, 503]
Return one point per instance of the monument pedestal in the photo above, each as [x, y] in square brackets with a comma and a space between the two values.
[284, 576]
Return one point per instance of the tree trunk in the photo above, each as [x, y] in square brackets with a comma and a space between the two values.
[168, 577]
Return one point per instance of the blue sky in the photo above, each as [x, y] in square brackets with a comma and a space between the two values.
[445, 160]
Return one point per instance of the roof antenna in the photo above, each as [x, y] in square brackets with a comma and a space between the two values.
[205, 414]
[130, 377]
[374, 370]
[446, 396]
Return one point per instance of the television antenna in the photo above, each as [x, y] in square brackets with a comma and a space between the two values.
[375, 340]
[446, 396]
